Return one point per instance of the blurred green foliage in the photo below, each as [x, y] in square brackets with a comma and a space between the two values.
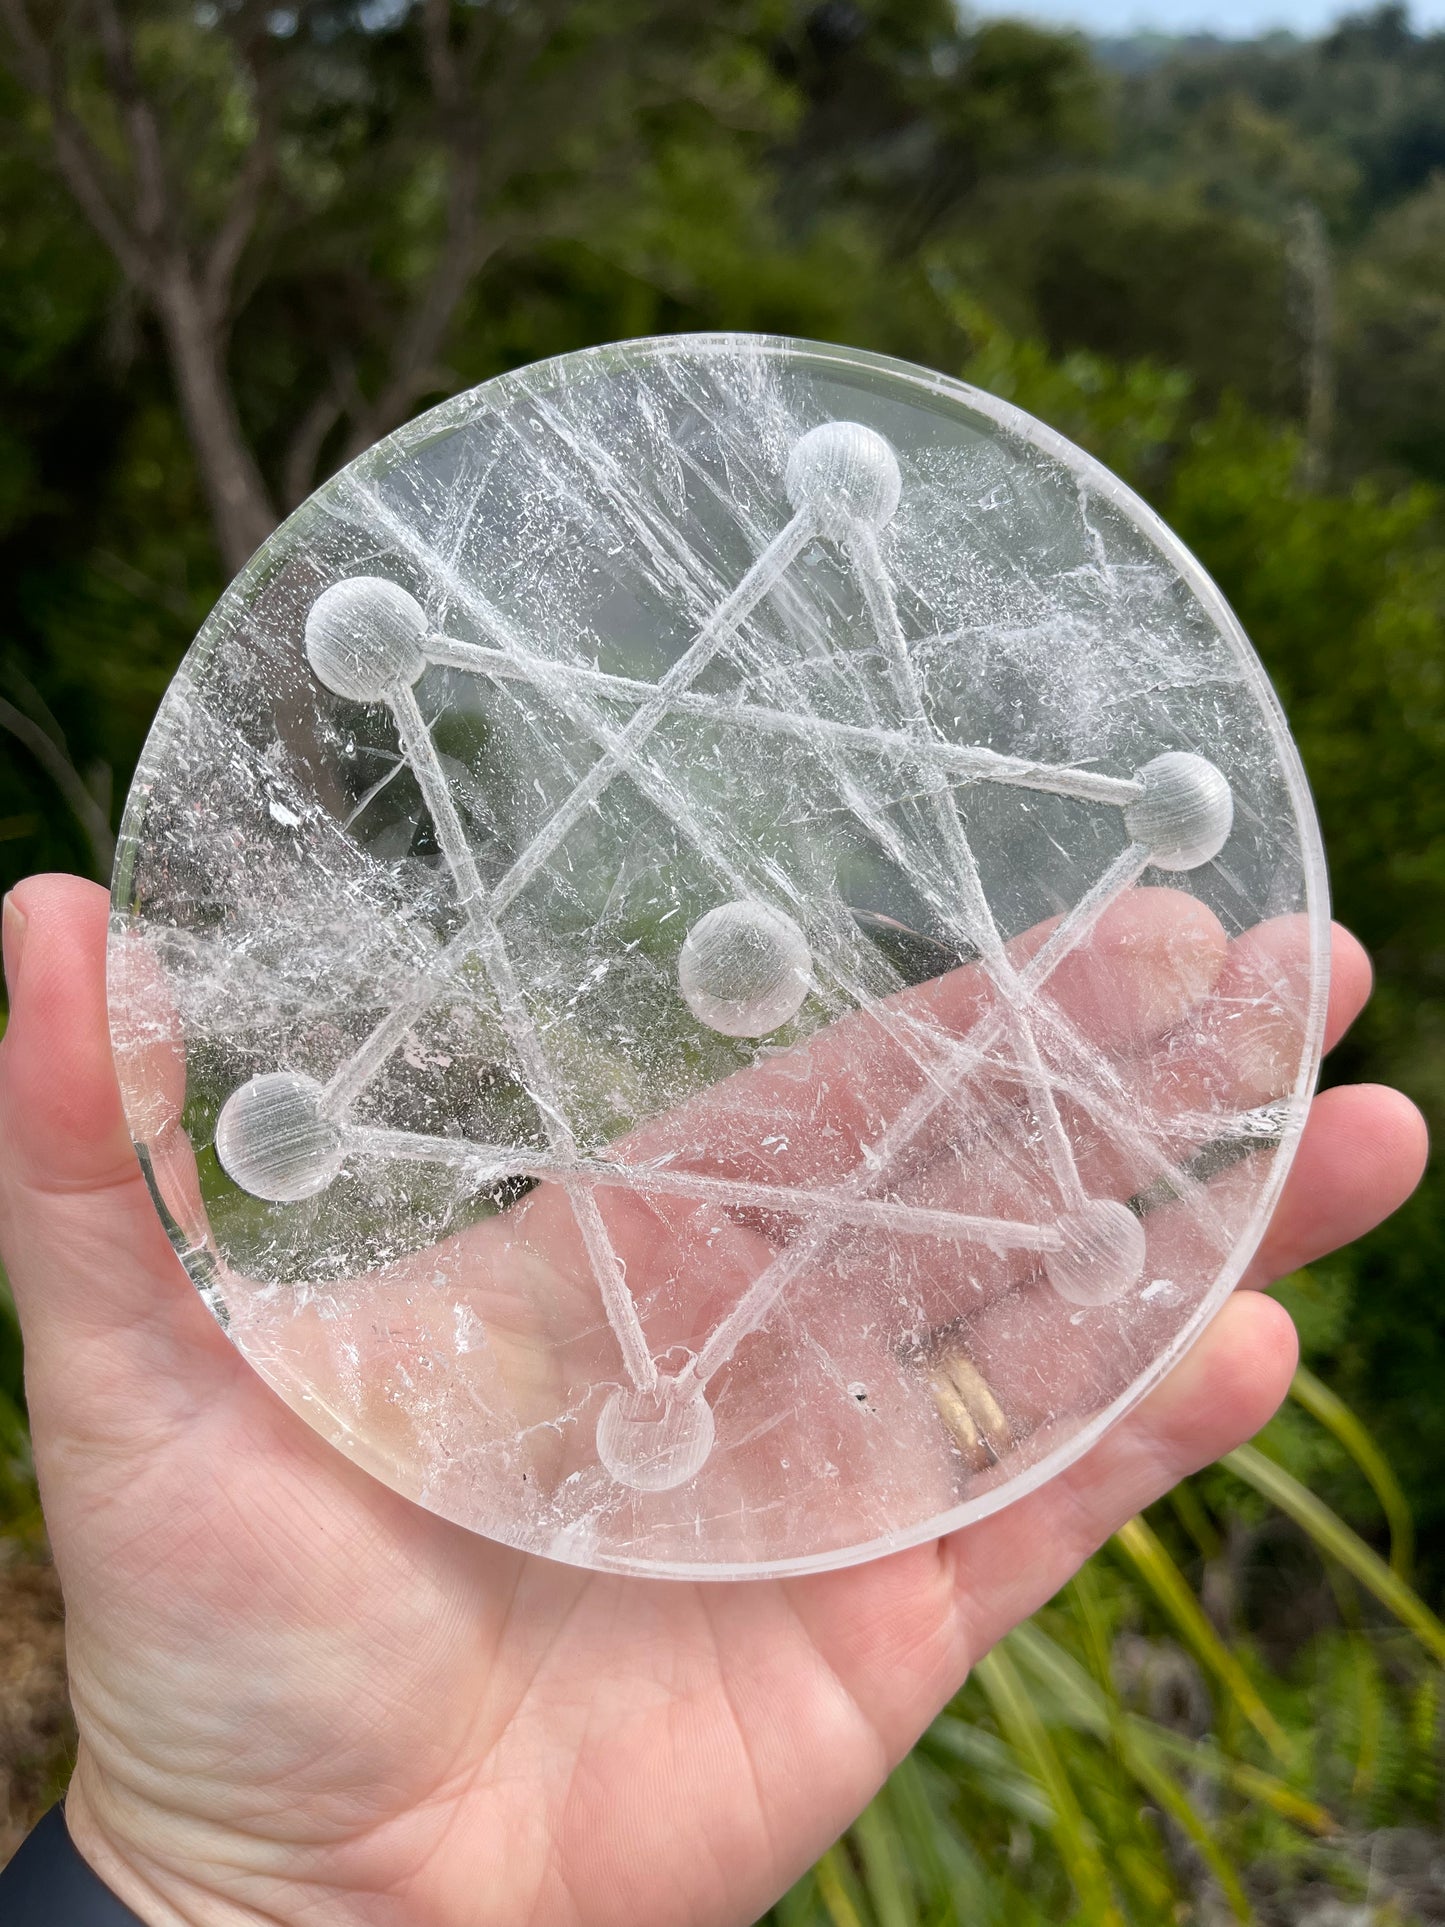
[1220, 267]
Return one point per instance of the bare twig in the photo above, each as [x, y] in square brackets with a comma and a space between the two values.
[153, 210]
[241, 509]
[472, 87]
[76, 156]
[1308, 249]
[243, 210]
[150, 247]
[460, 254]
[237, 226]
[340, 397]
[412, 372]
[137, 583]
[54, 759]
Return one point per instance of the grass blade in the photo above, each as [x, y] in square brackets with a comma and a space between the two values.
[834, 1881]
[922, 1829]
[1152, 1562]
[1136, 1742]
[1251, 1782]
[1335, 1539]
[1161, 1786]
[1027, 1734]
[991, 1765]
[883, 1860]
[1255, 1784]
[1330, 1410]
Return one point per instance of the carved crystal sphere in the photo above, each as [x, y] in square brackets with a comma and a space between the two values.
[842, 474]
[718, 956]
[1184, 811]
[276, 1138]
[744, 969]
[364, 638]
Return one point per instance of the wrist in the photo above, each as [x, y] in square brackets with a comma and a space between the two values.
[176, 1869]
[49, 1883]
[134, 1863]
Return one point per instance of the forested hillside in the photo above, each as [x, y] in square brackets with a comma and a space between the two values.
[237, 244]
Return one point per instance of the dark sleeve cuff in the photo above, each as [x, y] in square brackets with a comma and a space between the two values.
[47, 1884]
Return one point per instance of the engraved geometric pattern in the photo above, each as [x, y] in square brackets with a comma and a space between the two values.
[767, 949]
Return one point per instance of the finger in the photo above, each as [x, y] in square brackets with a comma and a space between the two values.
[1244, 1047]
[1220, 1393]
[1276, 955]
[801, 1119]
[1360, 1156]
[1046, 1361]
[1239, 1048]
[1140, 1118]
[88, 1257]
[1050, 1367]
[1352, 978]
[62, 1122]
[806, 1114]
[902, 1632]
[1054, 1364]
[1232, 1031]
[1154, 955]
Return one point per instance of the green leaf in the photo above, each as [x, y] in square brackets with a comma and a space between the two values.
[1145, 1552]
[884, 1863]
[1332, 1412]
[838, 1890]
[1336, 1540]
[1078, 1848]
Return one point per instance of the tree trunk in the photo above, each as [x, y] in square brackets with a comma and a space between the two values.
[241, 510]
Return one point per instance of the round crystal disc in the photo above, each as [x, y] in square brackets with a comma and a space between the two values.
[718, 953]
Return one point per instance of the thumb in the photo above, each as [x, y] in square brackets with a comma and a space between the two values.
[111, 1321]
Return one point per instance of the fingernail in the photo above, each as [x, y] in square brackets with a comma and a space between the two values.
[12, 928]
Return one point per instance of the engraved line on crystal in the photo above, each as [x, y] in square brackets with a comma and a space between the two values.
[1121, 874]
[554, 677]
[352, 1076]
[732, 611]
[976, 920]
[963, 760]
[739, 874]
[387, 1035]
[873, 1167]
[844, 485]
[421, 752]
[488, 1164]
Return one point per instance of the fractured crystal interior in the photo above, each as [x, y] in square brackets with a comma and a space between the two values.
[717, 956]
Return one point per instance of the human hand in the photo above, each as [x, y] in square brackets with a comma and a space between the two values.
[301, 1698]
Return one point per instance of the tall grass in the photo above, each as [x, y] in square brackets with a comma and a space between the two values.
[1213, 1722]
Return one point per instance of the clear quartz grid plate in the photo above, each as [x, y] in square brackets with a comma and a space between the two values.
[717, 956]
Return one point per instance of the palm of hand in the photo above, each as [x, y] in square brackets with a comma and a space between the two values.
[300, 1697]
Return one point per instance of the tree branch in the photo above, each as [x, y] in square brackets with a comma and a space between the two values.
[441, 65]
[243, 209]
[55, 761]
[468, 242]
[76, 157]
[153, 197]
[241, 508]
[461, 256]
[237, 225]
[338, 398]
[189, 291]
[461, 251]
